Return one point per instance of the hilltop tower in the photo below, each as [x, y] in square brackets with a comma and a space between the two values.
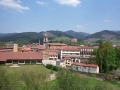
[45, 40]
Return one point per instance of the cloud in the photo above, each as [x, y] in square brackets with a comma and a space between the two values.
[41, 3]
[79, 26]
[13, 5]
[73, 3]
[107, 21]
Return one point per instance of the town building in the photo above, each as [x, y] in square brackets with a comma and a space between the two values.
[55, 46]
[10, 58]
[88, 68]
[73, 40]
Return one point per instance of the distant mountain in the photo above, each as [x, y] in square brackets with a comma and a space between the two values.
[6, 34]
[118, 32]
[33, 36]
[79, 35]
[105, 34]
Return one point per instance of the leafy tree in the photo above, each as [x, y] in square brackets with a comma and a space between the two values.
[117, 50]
[2, 44]
[105, 56]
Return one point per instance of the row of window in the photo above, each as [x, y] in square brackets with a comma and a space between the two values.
[53, 56]
[70, 51]
[23, 61]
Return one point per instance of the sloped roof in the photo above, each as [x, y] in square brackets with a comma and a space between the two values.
[25, 49]
[67, 58]
[70, 48]
[5, 50]
[59, 44]
[53, 53]
[19, 55]
[86, 65]
[38, 47]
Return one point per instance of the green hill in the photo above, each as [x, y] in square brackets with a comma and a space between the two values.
[106, 35]
[30, 37]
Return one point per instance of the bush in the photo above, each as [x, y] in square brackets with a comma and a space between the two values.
[49, 66]
[55, 68]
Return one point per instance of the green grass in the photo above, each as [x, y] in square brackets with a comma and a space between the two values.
[25, 77]
[61, 38]
[27, 68]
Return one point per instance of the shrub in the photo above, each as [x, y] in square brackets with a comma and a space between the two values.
[55, 68]
[49, 66]
[52, 67]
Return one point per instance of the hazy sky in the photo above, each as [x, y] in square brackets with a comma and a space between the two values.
[40, 15]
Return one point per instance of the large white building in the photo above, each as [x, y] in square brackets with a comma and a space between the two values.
[82, 67]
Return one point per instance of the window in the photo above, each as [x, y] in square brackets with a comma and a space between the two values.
[33, 61]
[27, 61]
[39, 61]
[9, 61]
[21, 61]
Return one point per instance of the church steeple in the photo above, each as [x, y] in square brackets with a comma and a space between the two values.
[45, 40]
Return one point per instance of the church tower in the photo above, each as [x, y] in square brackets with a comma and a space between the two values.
[45, 40]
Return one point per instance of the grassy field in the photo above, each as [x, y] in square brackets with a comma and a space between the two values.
[25, 77]
[39, 69]
[33, 77]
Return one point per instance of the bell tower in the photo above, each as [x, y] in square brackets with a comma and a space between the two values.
[45, 40]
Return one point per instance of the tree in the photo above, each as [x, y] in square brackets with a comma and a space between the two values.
[2, 44]
[117, 50]
[105, 56]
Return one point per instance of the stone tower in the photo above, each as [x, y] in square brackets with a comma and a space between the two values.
[45, 40]
[15, 48]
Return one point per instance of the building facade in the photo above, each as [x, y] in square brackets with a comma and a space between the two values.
[88, 68]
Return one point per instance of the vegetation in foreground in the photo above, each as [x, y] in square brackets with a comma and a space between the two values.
[107, 57]
[33, 77]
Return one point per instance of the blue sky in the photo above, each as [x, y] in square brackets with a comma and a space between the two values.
[41, 15]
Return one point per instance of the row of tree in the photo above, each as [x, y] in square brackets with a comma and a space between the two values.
[107, 56]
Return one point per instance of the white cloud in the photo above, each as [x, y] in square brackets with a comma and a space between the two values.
[41, 3]
[13, 5]
[107, 21]
[69, 2]
[79, 26]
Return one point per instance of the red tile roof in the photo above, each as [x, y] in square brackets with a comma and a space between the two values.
[53, 53]
[86, 65]
[38, 47]
[70, 48]
[67, 58]
[19, 55]
[57, 44]
[6, 50]
[25, 49]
